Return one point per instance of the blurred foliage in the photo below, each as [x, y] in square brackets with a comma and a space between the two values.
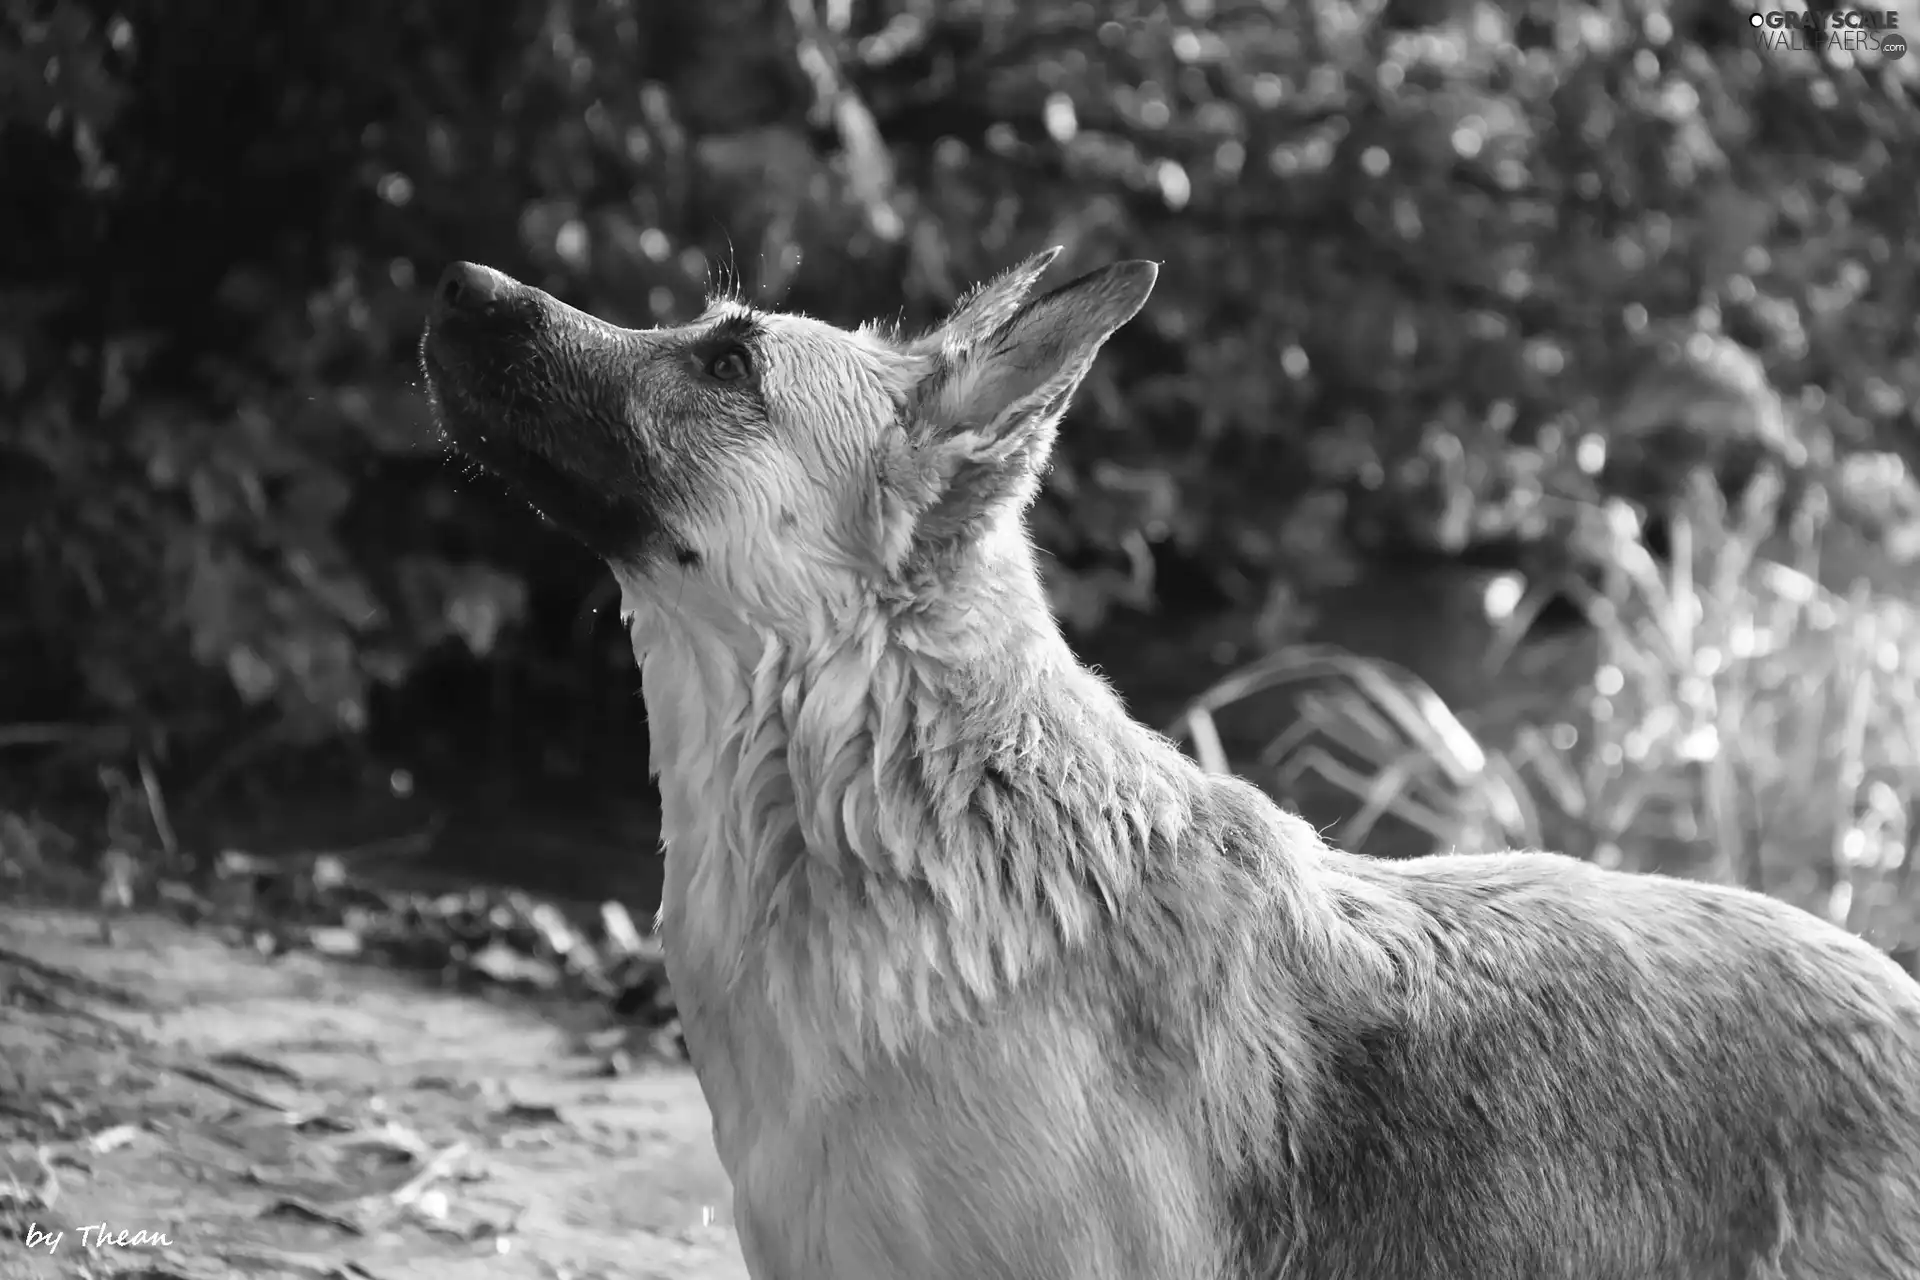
[1437, 271]
[1734, 720]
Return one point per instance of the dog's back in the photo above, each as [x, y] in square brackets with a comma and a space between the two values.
[1601, 1076]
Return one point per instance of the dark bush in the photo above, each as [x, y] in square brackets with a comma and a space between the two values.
[1429, 266]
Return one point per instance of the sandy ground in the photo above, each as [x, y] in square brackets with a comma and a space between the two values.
[173, 1108]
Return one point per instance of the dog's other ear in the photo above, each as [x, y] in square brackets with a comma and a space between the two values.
[985, 418]
[988, 306]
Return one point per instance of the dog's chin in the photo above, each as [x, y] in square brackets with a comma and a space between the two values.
[621, 528]
[608, 525]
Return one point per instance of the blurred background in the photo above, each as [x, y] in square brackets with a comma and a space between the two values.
[1519, 447]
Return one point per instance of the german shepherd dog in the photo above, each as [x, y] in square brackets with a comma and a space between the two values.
[984, 979]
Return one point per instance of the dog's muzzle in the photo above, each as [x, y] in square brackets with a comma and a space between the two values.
[532, 390]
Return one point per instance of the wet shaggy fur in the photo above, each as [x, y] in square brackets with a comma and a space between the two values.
[982, 978]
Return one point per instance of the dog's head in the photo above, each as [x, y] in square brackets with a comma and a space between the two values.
[770, 465]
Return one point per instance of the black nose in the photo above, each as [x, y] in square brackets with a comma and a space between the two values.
[469, 287]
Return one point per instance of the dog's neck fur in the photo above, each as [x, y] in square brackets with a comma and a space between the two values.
[873, 835]
[908, 818]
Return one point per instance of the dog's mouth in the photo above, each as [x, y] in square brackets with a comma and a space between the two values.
[528, 388]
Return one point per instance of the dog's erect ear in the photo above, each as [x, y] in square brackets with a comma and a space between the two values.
[988, 306]
[984, 418]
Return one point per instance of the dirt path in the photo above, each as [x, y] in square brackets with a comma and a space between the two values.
[298, 1117]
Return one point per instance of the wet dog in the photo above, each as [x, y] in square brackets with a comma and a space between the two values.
[984, 979]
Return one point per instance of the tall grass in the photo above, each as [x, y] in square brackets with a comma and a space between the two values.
[1734, 719]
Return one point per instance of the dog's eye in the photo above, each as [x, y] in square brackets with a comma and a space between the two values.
[730, 365]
